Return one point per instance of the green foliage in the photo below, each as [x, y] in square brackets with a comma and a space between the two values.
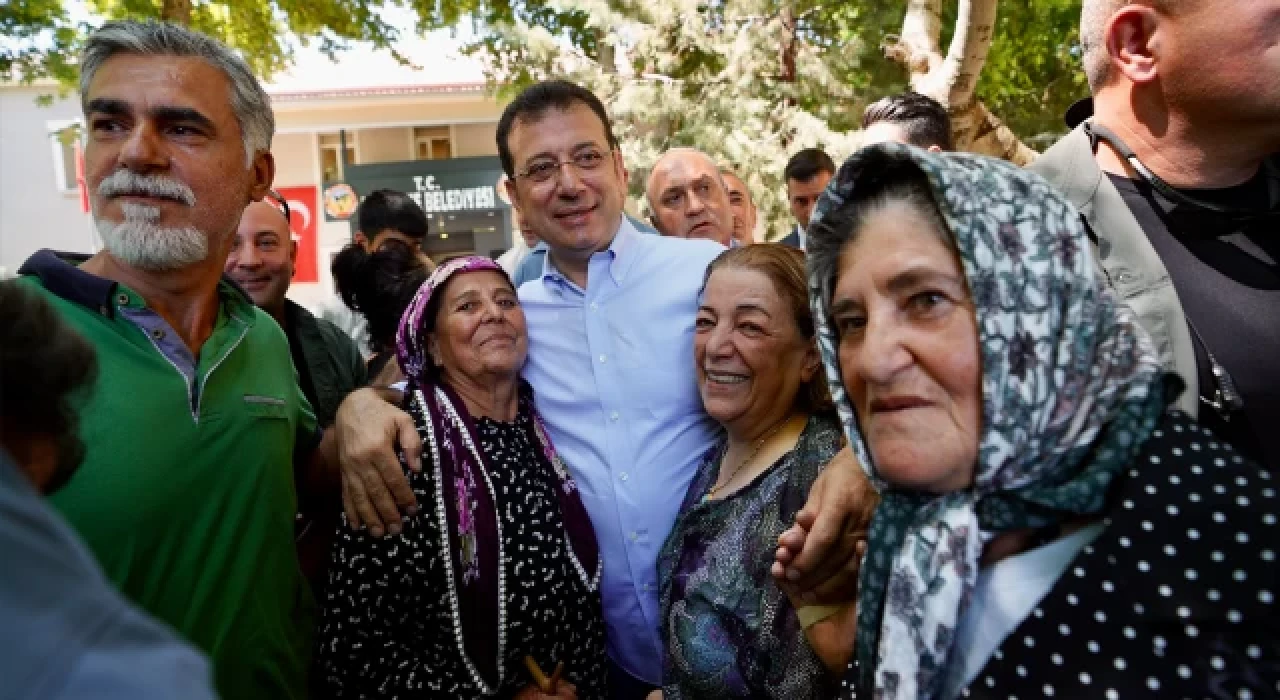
[1033, 72]
[41, 42]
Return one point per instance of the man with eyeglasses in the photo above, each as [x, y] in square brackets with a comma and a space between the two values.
[610, 321]
[1177, 176]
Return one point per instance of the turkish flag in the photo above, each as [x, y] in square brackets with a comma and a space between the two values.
[303, 210]
[81, 184]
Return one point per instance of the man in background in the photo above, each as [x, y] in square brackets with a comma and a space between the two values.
[807, 175]
[743, 207]
[688, 198]
[909, 118]
[262, 261]
[384, 215]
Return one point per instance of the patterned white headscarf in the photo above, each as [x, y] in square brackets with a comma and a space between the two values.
[1071, 389]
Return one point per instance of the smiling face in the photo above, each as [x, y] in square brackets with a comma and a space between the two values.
[752, 359]
[578, 209]
[909, 354]
[262, 255]
[479, 334]
[165, 160]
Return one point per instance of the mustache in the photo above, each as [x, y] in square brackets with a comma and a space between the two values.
[125, 182]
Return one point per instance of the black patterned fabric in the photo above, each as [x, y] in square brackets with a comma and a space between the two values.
[388, 629]
[1176, 597]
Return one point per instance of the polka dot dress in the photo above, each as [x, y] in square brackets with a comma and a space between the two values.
[387, 630]
[1176, 597]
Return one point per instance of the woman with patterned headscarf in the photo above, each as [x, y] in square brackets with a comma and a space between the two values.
[1050, 525]
[493, 583]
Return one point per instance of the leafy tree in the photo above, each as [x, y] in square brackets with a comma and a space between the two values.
[43, 42]
[752, 81]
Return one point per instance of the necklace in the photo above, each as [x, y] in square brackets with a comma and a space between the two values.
[755, 450]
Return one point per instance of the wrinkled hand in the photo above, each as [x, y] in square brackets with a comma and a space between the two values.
[374, 487]
[564, 691]
[817, 558]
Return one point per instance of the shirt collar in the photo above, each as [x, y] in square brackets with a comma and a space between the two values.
[619, 250]
[60, 274]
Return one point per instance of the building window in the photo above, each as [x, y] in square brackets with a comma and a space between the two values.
[64, 138]
[432, 143]
[330, 161]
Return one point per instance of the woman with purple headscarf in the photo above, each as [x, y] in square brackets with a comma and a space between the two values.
[493, 582]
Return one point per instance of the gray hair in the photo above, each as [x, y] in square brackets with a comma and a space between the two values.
[840, 227]
[249, 101]
[1094, 15]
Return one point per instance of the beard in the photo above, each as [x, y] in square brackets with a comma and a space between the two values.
[139, 242]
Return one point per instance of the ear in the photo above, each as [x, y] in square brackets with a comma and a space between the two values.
[513, 193]
[293, 251]
[812, 363]
[263, 173]
[1130, 41]
[433, 350]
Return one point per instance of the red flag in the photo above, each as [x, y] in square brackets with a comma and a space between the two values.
[81, 184]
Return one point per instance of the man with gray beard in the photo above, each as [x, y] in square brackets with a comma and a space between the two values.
[195, 428]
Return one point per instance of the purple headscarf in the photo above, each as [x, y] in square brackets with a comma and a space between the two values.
[472, 531]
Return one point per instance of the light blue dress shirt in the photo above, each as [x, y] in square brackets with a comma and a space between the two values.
[612, 371]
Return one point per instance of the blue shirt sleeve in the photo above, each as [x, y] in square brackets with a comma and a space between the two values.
[68, 633]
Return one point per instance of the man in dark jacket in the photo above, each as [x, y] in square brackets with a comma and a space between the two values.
[1177, 176]
[262, 262]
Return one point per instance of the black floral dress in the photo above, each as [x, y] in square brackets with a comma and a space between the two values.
[387, 630]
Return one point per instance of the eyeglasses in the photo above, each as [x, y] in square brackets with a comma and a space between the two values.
[542, 171]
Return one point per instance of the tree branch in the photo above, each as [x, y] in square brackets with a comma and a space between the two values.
[986, 133]
[975, 28]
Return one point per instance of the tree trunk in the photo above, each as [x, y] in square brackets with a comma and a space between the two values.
[176, 11]
[952, 79]
[605, 50]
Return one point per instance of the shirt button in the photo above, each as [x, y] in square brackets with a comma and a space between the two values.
[157, 334]
[634, 537]
[614, 416]
[623, 476]
[603, 359]
[122, 299]
[594, 306]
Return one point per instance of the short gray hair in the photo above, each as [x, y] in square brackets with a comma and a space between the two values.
[1094, 15]
[249, 101]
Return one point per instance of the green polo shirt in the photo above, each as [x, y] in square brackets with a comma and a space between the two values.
[186, 495]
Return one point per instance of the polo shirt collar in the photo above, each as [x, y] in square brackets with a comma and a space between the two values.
[60, 274]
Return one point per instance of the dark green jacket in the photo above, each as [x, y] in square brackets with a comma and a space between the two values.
[332, 358]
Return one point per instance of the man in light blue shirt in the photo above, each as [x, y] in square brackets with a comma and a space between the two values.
[610, 320]
[612, 370]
